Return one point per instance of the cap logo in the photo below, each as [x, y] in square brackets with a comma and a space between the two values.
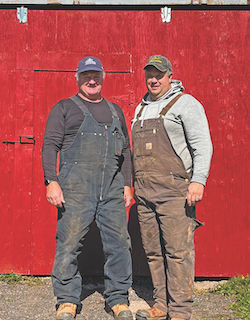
[90, 61]
[156, 59]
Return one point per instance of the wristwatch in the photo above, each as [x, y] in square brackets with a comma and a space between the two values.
[47, 182]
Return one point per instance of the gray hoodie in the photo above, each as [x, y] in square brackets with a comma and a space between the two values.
[187, 128]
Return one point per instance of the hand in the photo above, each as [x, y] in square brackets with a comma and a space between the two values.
[127, 196]
[195, 193]
[54, 194]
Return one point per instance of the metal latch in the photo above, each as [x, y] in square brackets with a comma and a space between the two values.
[166, 14]
[22, 14]
[22, 140]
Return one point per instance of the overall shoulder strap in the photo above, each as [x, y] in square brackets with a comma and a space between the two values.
[140, 112]
[80, 104]
[112, 109]
[170, 104]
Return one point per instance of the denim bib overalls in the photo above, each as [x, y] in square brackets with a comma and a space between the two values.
[93, 188]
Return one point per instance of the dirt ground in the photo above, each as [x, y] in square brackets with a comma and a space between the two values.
[36, 302]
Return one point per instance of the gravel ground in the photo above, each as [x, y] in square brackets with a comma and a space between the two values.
[36, 302]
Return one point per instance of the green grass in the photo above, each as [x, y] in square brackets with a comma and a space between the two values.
[239, 288]
[19, 279]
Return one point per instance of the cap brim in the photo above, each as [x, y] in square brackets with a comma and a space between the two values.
[157, 67]
[93, 68]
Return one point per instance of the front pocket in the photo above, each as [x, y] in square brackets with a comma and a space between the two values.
[119, 142]
[154, 182]
[144, 142]
[181, 185]
[64, 172]
[79, 179]
[91, 144]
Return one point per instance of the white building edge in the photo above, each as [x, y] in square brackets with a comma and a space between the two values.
[128, 2]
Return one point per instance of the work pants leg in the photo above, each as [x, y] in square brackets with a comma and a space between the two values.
[177, 234]
[151, 240]
[72, 227]
[111, 219]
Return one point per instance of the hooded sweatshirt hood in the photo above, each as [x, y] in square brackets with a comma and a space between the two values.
[176, 87]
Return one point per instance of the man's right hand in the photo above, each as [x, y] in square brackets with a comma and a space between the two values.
[54, 194]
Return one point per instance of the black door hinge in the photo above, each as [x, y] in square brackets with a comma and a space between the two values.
[22, 140]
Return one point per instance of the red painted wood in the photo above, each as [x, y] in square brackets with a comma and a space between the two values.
[209, 52]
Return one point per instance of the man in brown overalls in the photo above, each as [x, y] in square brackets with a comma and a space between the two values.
[172, 151]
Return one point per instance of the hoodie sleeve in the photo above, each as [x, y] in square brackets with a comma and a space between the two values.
[197, 133]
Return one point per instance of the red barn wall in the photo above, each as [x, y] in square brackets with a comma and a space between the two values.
[209, 51]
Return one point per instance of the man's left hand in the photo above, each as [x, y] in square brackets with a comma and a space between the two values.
[127, 196]
[195, 193]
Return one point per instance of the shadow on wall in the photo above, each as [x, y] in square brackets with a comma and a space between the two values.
[91, 260]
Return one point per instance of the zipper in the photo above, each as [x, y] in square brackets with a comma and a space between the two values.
[104, 166]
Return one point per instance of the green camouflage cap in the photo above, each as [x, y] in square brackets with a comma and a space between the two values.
[159, 62]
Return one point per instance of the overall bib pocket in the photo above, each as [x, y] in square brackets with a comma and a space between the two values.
[119, 141]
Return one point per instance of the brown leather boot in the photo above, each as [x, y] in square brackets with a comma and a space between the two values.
[151, 314]
[66, 311]
[122, 312]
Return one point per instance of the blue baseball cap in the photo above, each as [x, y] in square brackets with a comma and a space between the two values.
[89, 64]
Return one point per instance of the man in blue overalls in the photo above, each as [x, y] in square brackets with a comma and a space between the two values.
[93, 184]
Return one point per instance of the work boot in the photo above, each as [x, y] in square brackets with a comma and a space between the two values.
[150, 314]
[122, 312]
[66, 311]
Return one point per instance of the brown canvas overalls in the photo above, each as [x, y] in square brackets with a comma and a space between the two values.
[166, 223]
